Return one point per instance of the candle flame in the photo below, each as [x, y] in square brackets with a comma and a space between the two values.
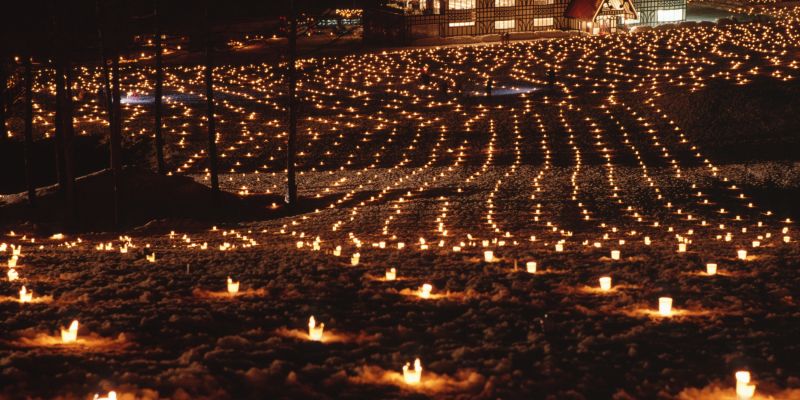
[233, 287]
[70, 335]
[314, 331]
[413, 377]
[25, 296]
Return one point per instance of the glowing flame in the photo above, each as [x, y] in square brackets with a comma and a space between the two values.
[12, 275]
[615, 254]
[742, 254]
[70, 335]
[314, 331]
[488, 256]
[391, 274]
[665, 306]
[530, 266]
[744, 390]
[12, 262]
[111, 396]
[355, 259]
[25, 296]
[151, 258]
[711, 269]
[605, 283]
[413, 377]
[233, 287]
[425, 291]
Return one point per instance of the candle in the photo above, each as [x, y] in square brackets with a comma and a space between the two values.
[711, 269]
[337, 251]
[681, 247]
[744, 390]
[25, 296]
[615, 254]
[647, 240]
[391, 274]
[665, 306]
[233, 287]
[488, 256]
[12, 275]
[605, 283]
[355, 259]
[111, 396]
[756, 243]
[12, 262]
[530, 266]
[314, 331]
[425, 290]
[742, 254]
[151, 258]
[413, 377]
[70, 335]
[559, 247]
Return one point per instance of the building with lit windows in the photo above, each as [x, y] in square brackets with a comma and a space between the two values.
[407, 20]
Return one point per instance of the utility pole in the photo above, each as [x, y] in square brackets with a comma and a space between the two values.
[291, 148]
[159, 94]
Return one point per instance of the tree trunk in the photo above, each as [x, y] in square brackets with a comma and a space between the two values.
[29, 132]
[159, 93]
[116, 142]
[291, 148]
[212, 135]
[104, 62]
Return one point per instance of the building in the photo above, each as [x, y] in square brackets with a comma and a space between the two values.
[407, 20]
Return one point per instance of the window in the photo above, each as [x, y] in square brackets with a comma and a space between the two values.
[504, 3]
[542, 2]
[543, 21]
[669, 15]
[461, 4]
[457, 24]
[505, 24]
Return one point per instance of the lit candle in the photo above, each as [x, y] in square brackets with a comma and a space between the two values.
[744, 390]
[605, 283]
[425, 290]
[151, 258]
[665, 306]
[111, 396]
[530, 266]
[756, 243]
[559, 247]
[742, 254]
[615, 254]
[391, 274]
[314, 331]
[337, 251]
[70, 335]
[355, 259]
[681, 247]
[413, 377]
[711, 269]
[25, 296]
[488, 256]
[12, 262]
[233, 287]
[12, 275]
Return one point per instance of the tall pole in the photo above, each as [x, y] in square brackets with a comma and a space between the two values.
[159, 94]
[116, 138]
[212, 134]
[3, 98]
[28, 150]
[291, 148]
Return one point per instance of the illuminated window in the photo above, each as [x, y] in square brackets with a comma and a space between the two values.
[505, 24]
[542, 2]
[543, 21]
[461, 4]
[504, 3]
[669, 15]
[457, 24]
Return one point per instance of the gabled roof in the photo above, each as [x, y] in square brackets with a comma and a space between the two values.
[587, 10]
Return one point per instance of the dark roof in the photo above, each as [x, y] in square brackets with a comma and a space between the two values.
[587, 9]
